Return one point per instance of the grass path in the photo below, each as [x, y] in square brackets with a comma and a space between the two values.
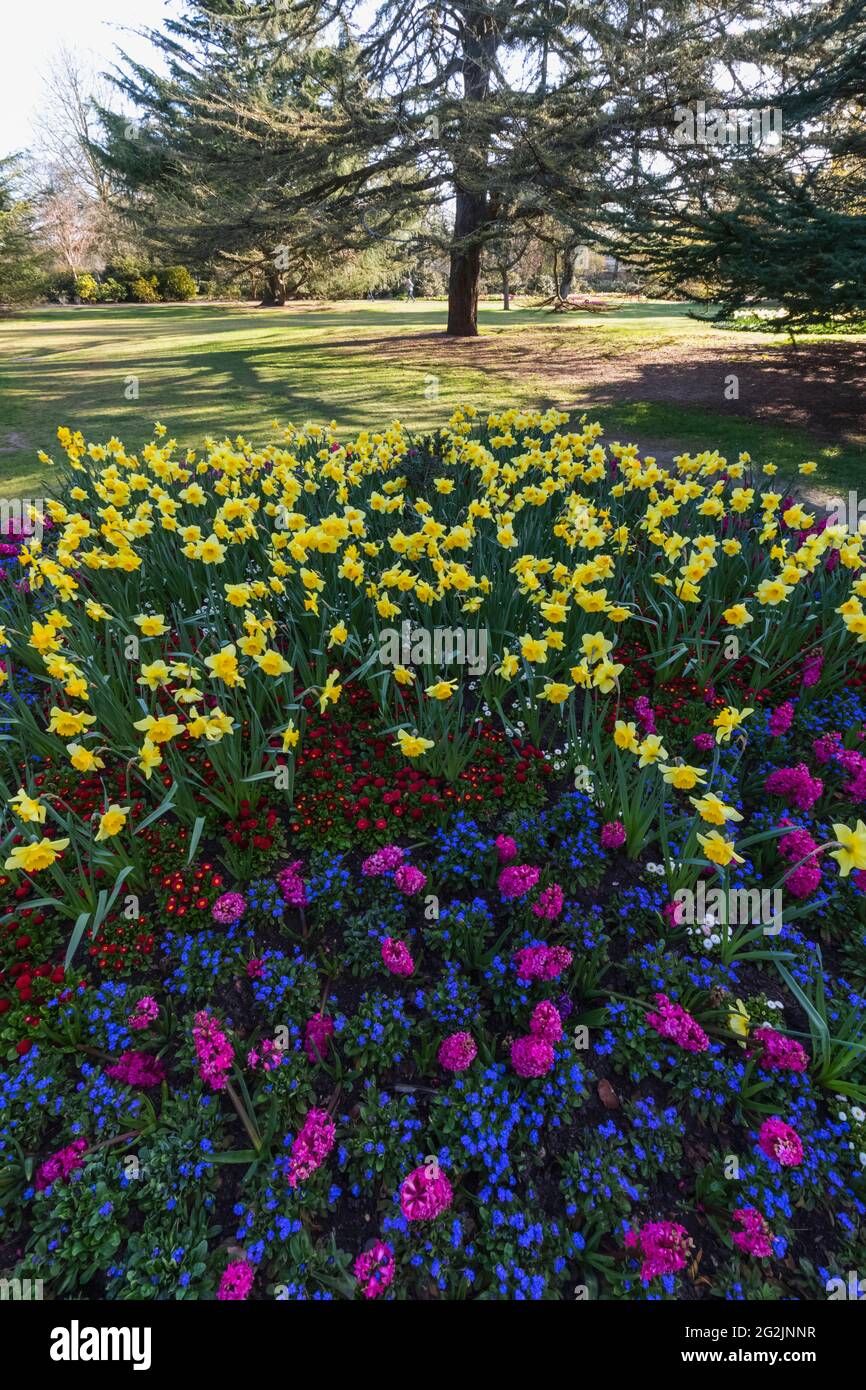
[226, 369]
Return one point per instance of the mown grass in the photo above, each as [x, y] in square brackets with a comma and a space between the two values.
[219, 369]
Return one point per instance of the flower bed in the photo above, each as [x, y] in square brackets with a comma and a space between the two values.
[341, 959]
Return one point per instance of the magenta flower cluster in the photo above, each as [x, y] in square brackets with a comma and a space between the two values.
[311, 1146]
[546, 1022]
[814, 664]
[397, 957]
[671, 1021]
[214, 1051]
[383, 861]
[664, 1248]
[781, 719]
[318, 1032]
[795, 785]
[506, 848]
[236, 1281]
[799, 845]
[612, 834]
[645, 714]
[780, 1142]
[550, 903]
[425, 1194]
[457, 1052]
[776, 1052]
[269, 1057]
[374, 1269]
[144, 1014]
[229, 909]
[542, 962]
[755, 1238]
[291, 885]
[533, 1054]
[60, 1165]
[137, 1069]
[516, 880]
[409, 880]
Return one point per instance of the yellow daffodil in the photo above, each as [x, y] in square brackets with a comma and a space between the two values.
[112, 821]
[719, 850]
[412, 745]
[851, 853]
[32, 858]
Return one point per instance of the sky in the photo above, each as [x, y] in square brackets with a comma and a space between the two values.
[36, 30]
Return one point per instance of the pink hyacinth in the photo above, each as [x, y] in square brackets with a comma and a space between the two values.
[779, 1053]
[137, 1069]
[397, 957]
[457, 1052]
[318, 1032]
[781, 719]
[799, 845]
[383, 861]
[291, 885]
[425, 1194]
[542, 962]
[229, 909]
[506, 849]
[374, 1269]
[645, 714]
[803, 881]
[145, 1012]
[269, 1056]
[704, 743]
[532, 1056]
[826, 747]
[781, 1142]
[550, 903]
[311, 1147]
[812, 668]
[853, 764]
[409, 880]
[214, 1051]
[612, 834]
[671, 1021]
[674, 913]
[516, 880]
[60, 1165]
[236, 1282]
[255, 968]
[663, 1245]
[795, 785]
[546, 1022]
[755, 1238]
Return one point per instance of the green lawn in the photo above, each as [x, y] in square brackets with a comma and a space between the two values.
[231, 369]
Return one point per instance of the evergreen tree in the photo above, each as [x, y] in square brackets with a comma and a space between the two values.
[21, 260]
[315, 128]
[759, 219]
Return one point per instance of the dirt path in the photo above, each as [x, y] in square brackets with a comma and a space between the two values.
[820, 388]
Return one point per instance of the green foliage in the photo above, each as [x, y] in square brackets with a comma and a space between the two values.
[176, 283]
[143, 290]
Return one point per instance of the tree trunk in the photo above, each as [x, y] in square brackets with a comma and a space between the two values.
[566, 281]
[472, 212]
[464, 278]
[274, 291]
[506, 290]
